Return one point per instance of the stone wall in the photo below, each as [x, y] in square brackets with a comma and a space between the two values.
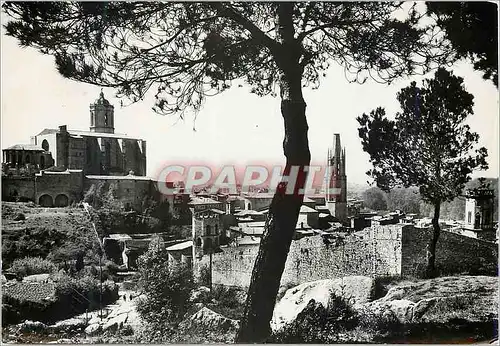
[130, 190]
[371, 253]
[455, 253]
[376, 251]
[66, 187]
[18, 187]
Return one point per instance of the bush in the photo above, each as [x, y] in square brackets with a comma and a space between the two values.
[83, 293]
[167, 287]
[317, 324]
[32, 265]
[227, 301]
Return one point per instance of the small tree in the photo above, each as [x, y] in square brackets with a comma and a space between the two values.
[427, 145]
[375, 199]
[167, 287]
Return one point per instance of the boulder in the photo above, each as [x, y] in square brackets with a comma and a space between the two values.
[199, 295]
[69, 325]
[31, 326]
[206, 319]
[441, 300]
[356, 289]
[93, 329]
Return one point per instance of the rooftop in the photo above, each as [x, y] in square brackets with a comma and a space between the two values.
[27, 147]
[203, 200]
[91, 134]
[181, 246]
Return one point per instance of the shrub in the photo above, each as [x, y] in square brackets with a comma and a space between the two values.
[227, 301]
[167, 287]
[317, 324]
[32, 265]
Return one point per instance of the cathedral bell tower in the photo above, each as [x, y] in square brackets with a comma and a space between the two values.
[102, 116]
[336, 188]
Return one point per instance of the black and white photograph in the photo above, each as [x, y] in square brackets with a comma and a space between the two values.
[249, 172]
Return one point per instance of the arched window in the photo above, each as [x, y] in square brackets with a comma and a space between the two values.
[45, 145]
[198, 241]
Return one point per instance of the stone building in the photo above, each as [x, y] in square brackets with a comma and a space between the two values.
[61, 164]
[99, 151]
[206, 232]
[479, 205]
[336, 188]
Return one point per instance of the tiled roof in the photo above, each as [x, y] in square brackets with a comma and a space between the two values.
[28, 147]
[32, 291]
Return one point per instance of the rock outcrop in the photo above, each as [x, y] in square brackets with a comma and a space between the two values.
[356, 289]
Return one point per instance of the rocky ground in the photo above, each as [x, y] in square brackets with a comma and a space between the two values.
[454, 309]
[120, 320]
[458, 309]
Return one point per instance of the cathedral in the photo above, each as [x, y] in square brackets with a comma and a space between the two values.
[98, 151]
[60, 165]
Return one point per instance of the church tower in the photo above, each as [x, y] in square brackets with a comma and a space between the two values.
[102, 116]
[336, 188]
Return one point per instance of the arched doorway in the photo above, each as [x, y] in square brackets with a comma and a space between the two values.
[62, 200]
[45, 201]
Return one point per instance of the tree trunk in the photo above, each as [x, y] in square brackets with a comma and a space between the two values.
[279, 230]
[431, 270]
[284, 209]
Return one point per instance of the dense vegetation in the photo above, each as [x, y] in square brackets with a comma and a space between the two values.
[410, 201]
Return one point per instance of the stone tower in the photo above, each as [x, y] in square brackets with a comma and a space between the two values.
[206, 231]
[479, 208]
[102, 116]
[336, 188]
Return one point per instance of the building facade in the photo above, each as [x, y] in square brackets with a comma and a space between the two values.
[479, 209]
[98, 151]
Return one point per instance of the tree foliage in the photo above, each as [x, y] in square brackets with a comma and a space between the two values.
[427, 145]
[472, 28]
[32, 265]
[188, 51]
[375, 199]
[166, 286]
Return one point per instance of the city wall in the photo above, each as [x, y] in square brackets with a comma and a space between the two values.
[455, 253]
[377, 251]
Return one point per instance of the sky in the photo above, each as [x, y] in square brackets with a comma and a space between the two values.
[235, 127]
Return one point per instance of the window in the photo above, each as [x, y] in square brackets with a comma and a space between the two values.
[208, 230]
[198, 241]
[216, 229]
[469, 217]
[45, 145]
